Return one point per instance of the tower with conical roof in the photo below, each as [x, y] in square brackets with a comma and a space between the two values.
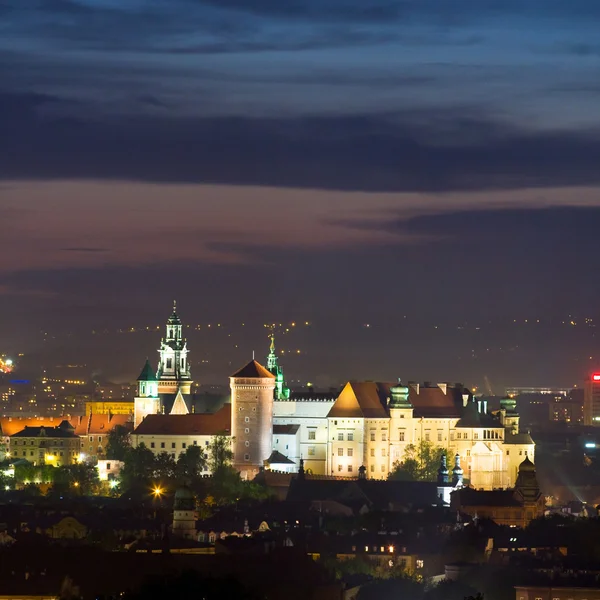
[282, 392]
[252, 391]
[146, 401]
[173, 368]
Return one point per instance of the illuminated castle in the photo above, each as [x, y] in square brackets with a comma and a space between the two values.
[368, 424]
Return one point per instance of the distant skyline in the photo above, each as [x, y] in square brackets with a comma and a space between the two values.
[265, 161]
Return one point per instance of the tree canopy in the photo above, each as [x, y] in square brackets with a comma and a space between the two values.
[419, 463]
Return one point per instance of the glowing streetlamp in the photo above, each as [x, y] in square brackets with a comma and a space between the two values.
[113, 483]
[158, 491]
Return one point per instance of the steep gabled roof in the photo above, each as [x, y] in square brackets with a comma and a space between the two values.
[362, 399]
[254, 370]
[193, 424]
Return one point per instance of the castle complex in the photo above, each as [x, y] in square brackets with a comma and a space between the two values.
[368, 424]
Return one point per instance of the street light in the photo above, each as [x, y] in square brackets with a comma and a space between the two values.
[113, 483]
[157, 491]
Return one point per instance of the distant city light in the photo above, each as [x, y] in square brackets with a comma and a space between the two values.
[596, 377]
[590, 444]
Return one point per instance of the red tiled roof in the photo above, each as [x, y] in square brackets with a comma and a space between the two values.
[368, 399]
[194, 424]
[100, 424]
[432, 402]
[254, 370]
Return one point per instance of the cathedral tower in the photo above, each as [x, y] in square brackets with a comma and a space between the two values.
[146, 401]
[174, 369]
[252, 391]
[282, 392]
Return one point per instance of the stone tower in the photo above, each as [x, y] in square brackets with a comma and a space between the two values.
[146, 401]
[174, 369]
[184, 514]
[252, 391]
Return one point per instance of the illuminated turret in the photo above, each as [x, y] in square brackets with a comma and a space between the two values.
[282, 392]
[174, 369]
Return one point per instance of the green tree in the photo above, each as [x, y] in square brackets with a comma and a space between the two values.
[164, 466]
[220, 453]
[420, 462]
[139, 466]
[190, 464]
[119, 442]
[80, 478]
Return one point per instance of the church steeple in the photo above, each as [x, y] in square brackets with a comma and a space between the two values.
[272, 357]
[173, 369]
[282, 392]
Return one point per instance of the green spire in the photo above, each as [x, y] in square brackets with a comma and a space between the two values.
[282, 392]
[147, 373]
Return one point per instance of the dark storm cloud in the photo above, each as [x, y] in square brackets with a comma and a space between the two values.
[415, 150]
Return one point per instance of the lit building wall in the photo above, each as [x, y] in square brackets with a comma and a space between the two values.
[173, 444]
[311, 416]
[591, 401]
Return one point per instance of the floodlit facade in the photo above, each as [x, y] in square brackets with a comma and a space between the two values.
[368, 424]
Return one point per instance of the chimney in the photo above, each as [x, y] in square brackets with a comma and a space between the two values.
[465, 399]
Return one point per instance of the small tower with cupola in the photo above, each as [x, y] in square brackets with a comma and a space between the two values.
[184, 514]
[174, 369]
[147, 401]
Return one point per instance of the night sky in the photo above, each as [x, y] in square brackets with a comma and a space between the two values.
[416, 179]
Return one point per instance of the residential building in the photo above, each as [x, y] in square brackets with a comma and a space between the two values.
[56, 446]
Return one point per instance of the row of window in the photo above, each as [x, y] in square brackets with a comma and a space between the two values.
[383, 436]
[350, 468]
[383, 452]
[14, 442]
[174, 444]
[349, 436]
